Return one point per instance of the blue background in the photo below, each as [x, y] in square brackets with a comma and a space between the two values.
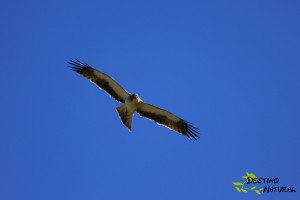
[230, 67]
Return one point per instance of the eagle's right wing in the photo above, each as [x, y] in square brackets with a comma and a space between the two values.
[167, 119]
[102, 80]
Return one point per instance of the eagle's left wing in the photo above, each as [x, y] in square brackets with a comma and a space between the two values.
[167, 119]
[103, 81]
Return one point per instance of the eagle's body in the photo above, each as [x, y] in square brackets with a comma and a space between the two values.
[132, 103]
[127, 110]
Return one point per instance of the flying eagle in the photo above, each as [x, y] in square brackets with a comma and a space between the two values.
[132, 103]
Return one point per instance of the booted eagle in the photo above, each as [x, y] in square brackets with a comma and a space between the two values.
[132, 103]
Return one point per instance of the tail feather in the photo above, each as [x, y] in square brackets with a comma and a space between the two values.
[125, 118]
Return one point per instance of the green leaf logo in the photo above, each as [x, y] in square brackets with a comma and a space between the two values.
[237, 183]
[251, 175]
[240, 186]
[257, 192]
[253, 187]
[244, 190]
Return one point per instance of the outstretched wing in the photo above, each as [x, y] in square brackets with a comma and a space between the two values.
[167, 119]
[102, 80]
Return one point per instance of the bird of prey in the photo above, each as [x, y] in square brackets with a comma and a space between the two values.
[132, 103]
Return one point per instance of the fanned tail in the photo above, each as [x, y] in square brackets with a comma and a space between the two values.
[125, 118]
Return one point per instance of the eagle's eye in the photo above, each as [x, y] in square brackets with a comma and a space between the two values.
[132, 96]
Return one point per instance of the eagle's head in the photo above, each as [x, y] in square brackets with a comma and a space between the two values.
[134, 97]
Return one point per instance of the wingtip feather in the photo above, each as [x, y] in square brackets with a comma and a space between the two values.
[191, 132]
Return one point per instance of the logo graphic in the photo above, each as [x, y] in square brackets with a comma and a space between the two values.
[242, 186]
[251, 181]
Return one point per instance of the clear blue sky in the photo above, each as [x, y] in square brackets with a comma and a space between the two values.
[230, 67]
